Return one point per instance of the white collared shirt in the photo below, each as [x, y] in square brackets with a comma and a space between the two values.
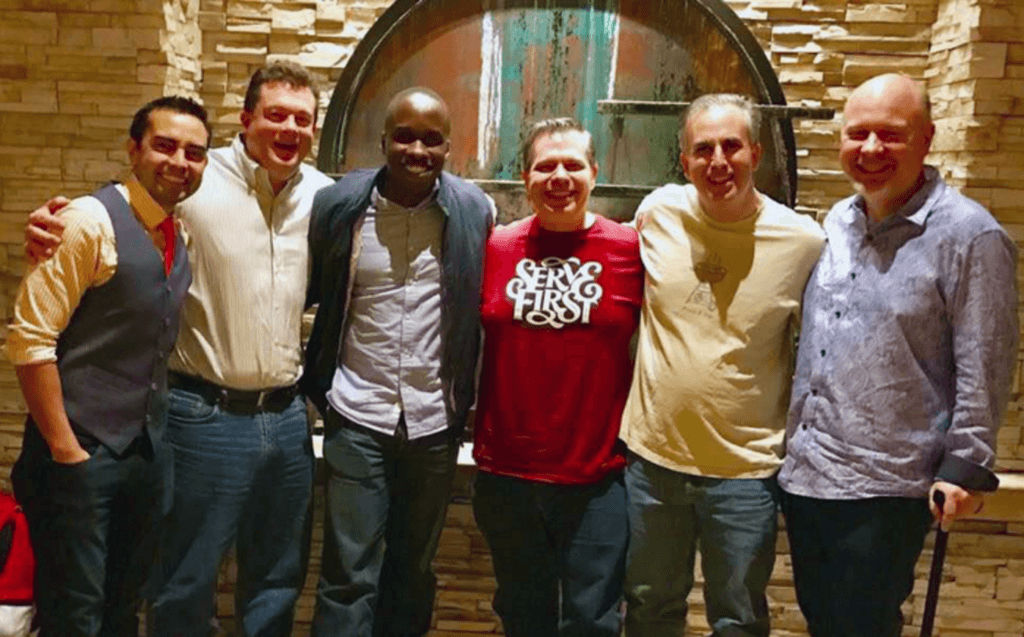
[249, 254]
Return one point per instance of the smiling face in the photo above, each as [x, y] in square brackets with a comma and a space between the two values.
[415, 145]
[886, 136]
[719, 160]
[169, 159]
[279, 130]
[559, 179]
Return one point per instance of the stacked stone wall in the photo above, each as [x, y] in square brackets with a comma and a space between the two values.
[71, 75]
[72, 72]
[240, 36]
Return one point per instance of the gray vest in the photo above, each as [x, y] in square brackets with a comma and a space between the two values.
[113, 354]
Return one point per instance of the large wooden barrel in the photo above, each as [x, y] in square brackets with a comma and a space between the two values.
[502, 64]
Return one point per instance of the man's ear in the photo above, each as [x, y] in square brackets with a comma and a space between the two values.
[684, 161]
[246, 118]
[755, 155]
[132, 149]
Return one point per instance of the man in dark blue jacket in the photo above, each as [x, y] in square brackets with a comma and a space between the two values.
[396, 257]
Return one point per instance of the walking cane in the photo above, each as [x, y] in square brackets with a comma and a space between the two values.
[931, 601]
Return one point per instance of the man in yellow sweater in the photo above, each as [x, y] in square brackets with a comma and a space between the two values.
[726, 268]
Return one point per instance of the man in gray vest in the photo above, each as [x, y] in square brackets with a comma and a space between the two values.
[92, 330]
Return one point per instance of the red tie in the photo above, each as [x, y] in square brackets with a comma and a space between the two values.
[167, 227]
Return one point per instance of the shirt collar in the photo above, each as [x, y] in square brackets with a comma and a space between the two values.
[146, 208]
[380, 202]
[919, 206]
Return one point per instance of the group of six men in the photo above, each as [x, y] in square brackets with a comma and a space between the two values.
[596, 481]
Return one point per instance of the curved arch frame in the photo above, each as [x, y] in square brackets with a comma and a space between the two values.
[339, 110]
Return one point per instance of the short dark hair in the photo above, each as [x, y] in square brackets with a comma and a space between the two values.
[549, 127]
[291, 73]
[176, 103]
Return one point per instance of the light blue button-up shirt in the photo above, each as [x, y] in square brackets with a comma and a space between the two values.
[391, 356]
[905, 361]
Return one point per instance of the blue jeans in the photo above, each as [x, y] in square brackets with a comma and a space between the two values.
[733, 522]
[240, 479]
[552, 542]
[93, 526]
[853, 561]
[386, 499]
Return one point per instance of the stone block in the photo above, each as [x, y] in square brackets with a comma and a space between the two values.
[364, 13]
[859, 68]
[82, 20]
[255, 54]
[143, 21]
[878, 12]
[155, 74]
[800, 76]
[1010, 584]
[328, 12]
[1010, 15]
[765, 5]
[248, 25]
[26, 36]
[252, 8]
[115, 6]
[285, 44]
[293, 20]
[113, 38]
[212, 21]
[325, 54]
[987, 59]
[13, 71]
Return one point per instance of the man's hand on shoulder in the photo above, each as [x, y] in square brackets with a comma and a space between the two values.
[959, 503]
[44, 230]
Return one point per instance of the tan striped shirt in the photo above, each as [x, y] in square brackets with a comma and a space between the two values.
[87, 257]
[242, 317]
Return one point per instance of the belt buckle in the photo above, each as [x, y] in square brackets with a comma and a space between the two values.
[223, 399]
[261, 398]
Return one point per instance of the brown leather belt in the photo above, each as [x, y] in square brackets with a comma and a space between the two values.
[238, 401]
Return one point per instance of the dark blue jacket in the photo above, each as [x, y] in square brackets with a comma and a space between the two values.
[468, 222]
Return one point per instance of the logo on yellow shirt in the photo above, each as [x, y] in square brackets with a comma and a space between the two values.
[708, 272]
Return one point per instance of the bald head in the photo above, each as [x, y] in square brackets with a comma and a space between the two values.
[898, 90]
[887, 133]
[420, 99]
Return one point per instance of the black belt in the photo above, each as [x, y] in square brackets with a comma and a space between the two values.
[238, 401]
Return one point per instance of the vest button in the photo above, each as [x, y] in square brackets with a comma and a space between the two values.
[153, 386]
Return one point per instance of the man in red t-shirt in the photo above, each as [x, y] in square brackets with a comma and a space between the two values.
[561, 300]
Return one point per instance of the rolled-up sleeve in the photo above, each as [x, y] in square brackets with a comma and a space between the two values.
[51, 291]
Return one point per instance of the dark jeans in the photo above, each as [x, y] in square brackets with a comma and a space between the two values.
[732, 521]
[240, 479]
[93, 528]
[559, 554]
[386, 499]
[853, 561]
